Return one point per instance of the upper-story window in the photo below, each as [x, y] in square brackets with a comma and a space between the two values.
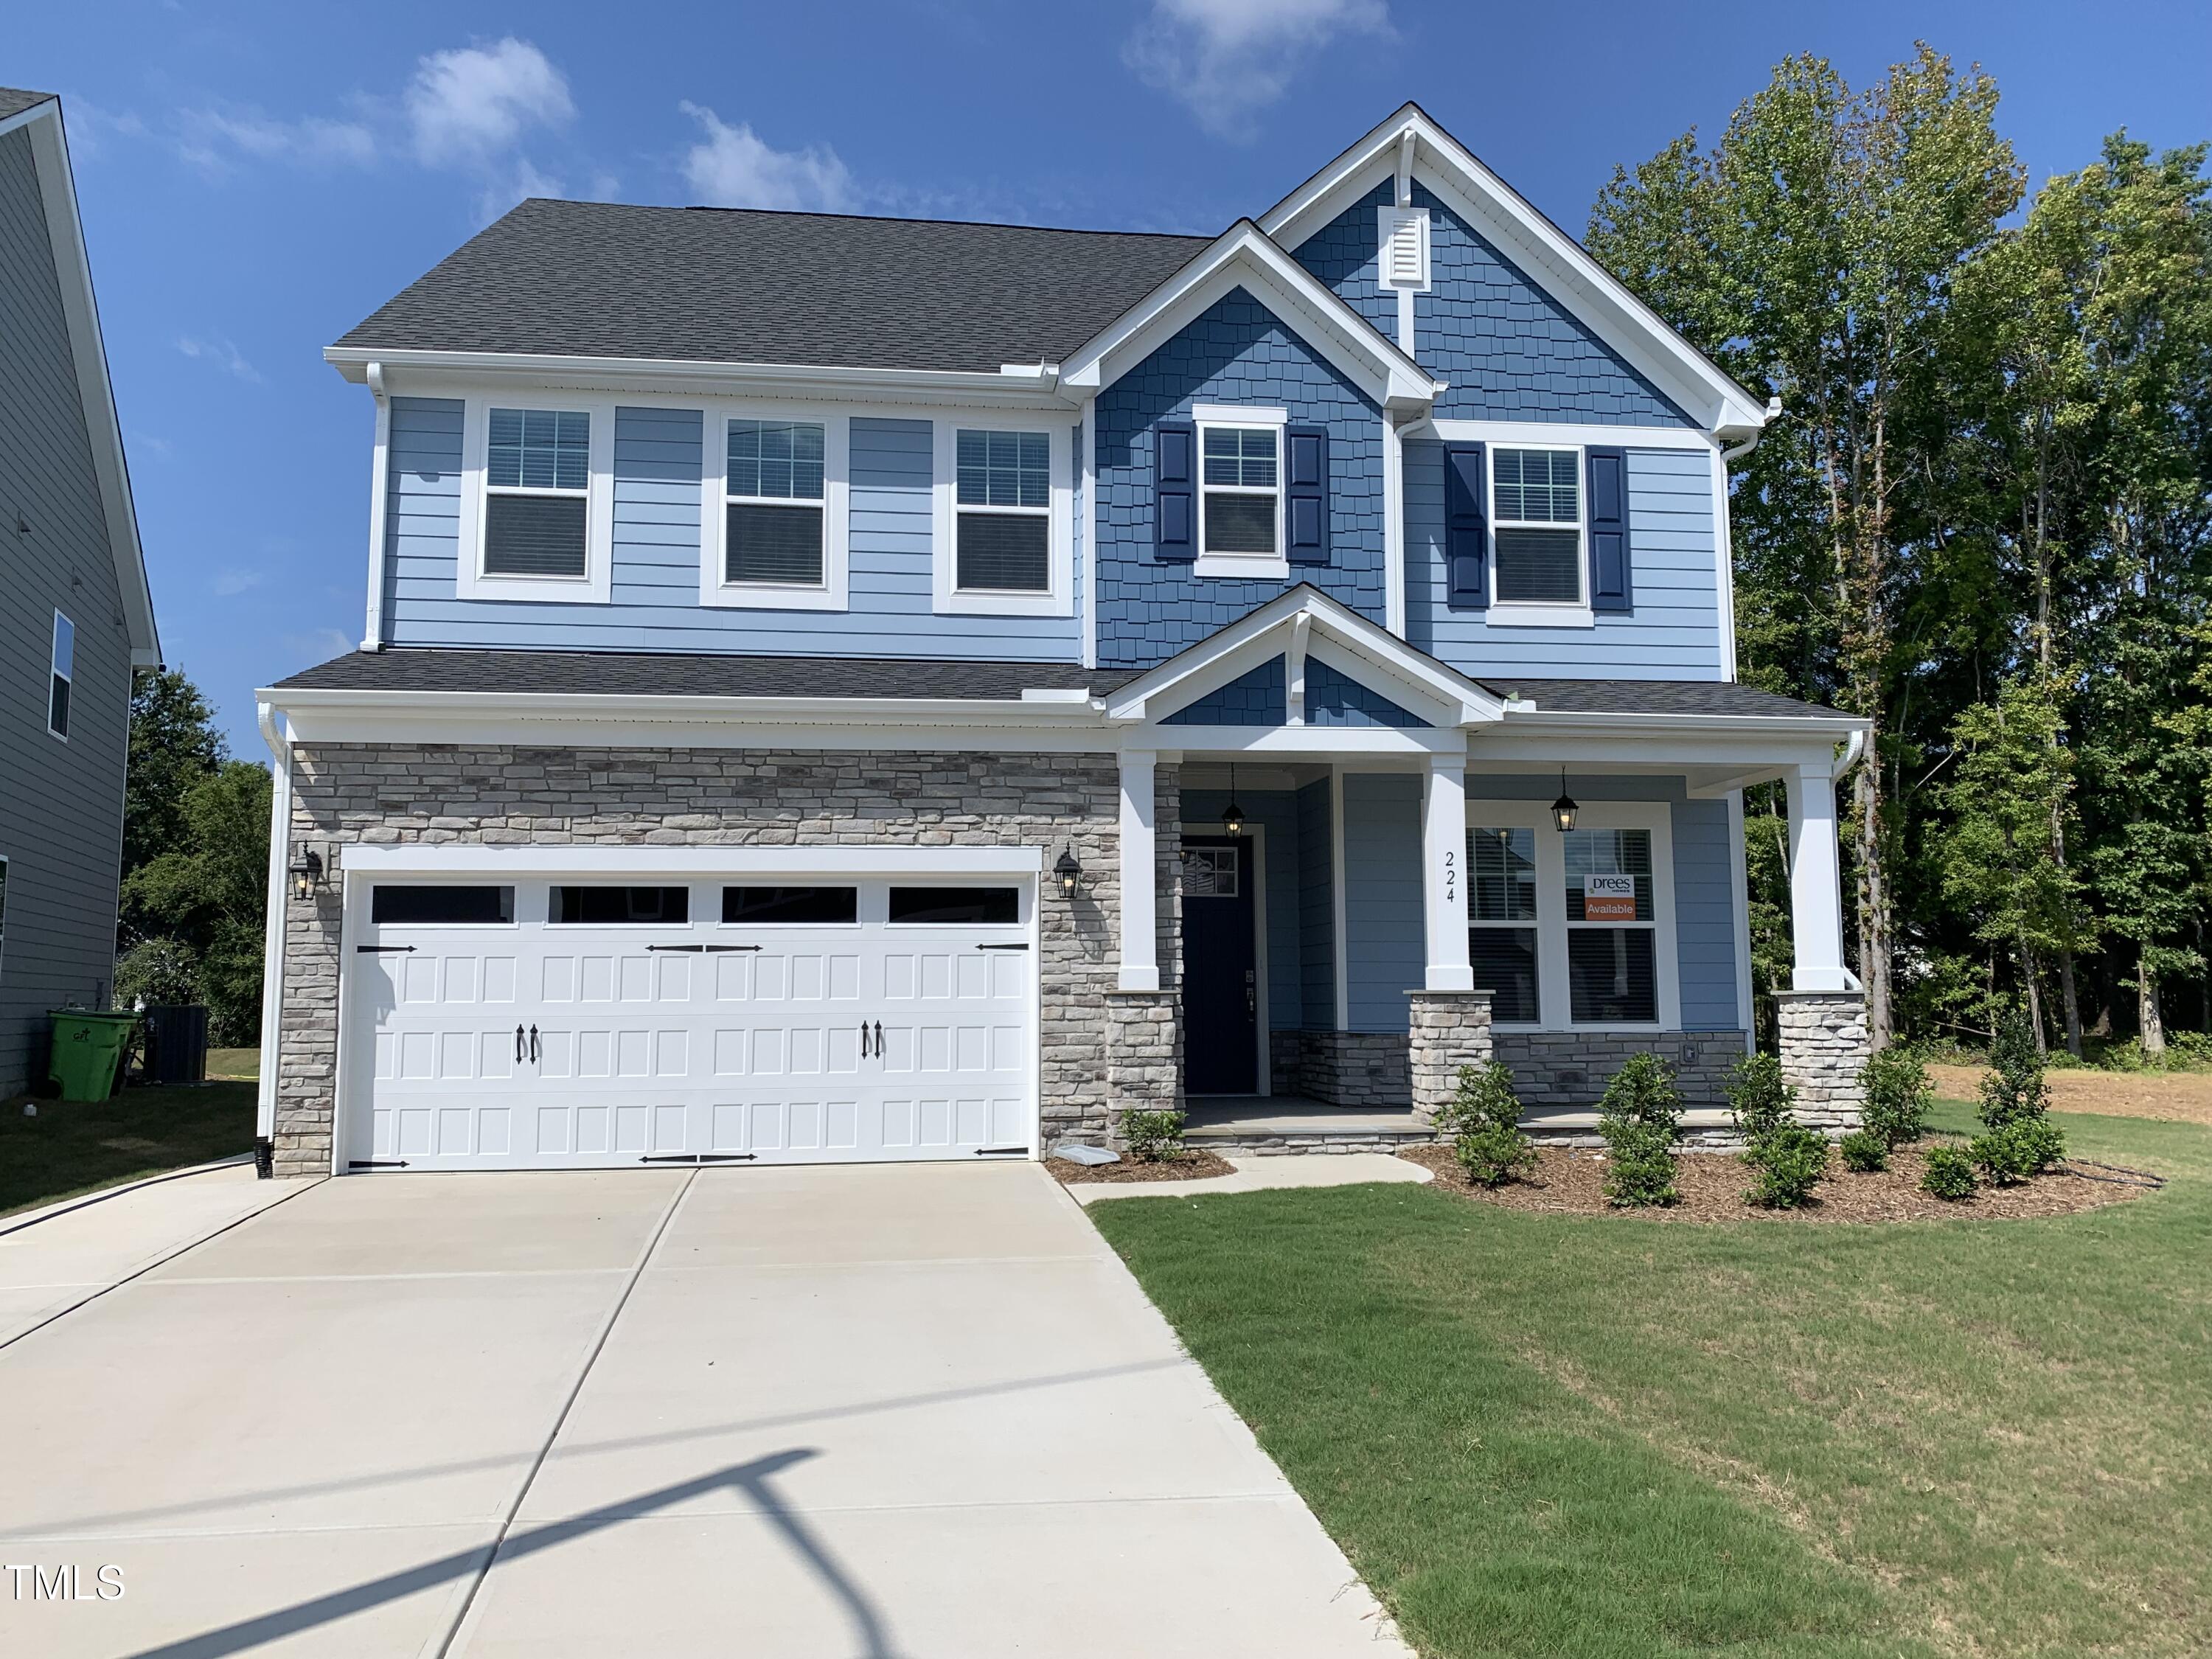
[64, 675]
[1002, 512]
[537, 486]
[1536, 496]
[1240, 474]
[536, 497]
[774, 488]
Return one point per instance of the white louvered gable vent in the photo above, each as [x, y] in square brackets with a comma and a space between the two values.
[1404, 259]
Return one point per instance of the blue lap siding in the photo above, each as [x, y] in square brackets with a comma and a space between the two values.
[1236, 352]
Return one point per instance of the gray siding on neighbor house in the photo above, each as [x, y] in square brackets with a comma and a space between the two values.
[61, 804]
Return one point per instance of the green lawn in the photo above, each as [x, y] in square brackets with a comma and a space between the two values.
[1549, 1435]
[75, 1146]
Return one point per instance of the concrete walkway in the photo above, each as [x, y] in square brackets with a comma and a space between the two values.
[881, 1411]
[1258, 1175]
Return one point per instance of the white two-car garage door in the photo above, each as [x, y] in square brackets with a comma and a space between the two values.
[560, 1022]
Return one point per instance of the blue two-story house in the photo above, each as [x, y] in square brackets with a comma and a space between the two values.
[857, 689]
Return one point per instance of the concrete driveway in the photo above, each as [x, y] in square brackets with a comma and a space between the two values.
[907, 1411]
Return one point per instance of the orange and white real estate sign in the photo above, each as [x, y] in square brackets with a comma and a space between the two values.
[1608, 898]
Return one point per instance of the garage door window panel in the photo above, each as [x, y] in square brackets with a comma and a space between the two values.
[437, 906]
[617, 906]
[808, 907]
[954, 906]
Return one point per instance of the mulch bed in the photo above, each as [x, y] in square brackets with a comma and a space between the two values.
[1569, 1181]
[1191, 1165]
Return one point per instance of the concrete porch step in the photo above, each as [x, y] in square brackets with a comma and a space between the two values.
[1710, 1126]
[1256, 1126]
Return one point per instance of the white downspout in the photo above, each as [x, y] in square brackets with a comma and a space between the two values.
[272, 948]
[1773, 413]
[371, 637]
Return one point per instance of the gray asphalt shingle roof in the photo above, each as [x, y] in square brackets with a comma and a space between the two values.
[1656, 697]
[598, 279]
[14, 101]
[671, 674]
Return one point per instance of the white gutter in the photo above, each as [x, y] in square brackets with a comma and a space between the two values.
[272, 947]
[1737, 452]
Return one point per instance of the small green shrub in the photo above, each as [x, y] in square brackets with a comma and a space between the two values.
[1483, 1119]
[1898, 1096]
[1949, 1174]
[1864, 1152]
[1639, 1117]
[2014, 1089]
[1786, 1165]
[2016, 1152]
[1761, 1099]
[1150, 1136]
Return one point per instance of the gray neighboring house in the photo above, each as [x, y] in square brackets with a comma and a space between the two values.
[75, 616]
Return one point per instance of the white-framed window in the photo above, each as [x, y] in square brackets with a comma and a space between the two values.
[1573, 931]
[64, 677]
[1240, 489]
[1005, 522]
[1536, 531]
[537, 498]
[777, 507]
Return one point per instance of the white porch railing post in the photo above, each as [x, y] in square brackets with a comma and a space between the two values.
[1444, 874]
[1140, 968]
[1816, 907]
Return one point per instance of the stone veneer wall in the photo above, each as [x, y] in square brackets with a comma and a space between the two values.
[1824, 1048]
[1450, 1028]
[508, 795]
[1348, 1068]
[1561, 1070]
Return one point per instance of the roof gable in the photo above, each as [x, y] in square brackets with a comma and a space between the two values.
[1412, 146]
[39, 116]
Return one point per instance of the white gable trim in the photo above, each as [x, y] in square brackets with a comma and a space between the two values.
[95, 392]
[1555, 260]
[1242, 257]
[1349, 642]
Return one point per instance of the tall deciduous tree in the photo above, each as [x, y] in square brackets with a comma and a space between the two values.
[173, 745]
[1812, 251]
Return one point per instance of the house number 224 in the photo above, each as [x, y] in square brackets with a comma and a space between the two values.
[1451, 878]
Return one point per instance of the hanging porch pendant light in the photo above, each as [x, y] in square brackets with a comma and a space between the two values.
[1563, 809]
[1232, 816]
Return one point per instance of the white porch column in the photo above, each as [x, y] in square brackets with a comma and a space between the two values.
[1816, 908]
[1444, 874]
[1140, 968]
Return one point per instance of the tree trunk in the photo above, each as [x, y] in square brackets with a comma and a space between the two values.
[1873, 902]
[2032, 981]
[2070, 1002]
[2152, 1029]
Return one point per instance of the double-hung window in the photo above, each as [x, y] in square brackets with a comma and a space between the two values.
[1240, 488]
[775, 489]
[1537, 523]
[64, 675]
[1572, 930]
[1002, 512]
[1611, 945]
[538, 489]
[1501, 936]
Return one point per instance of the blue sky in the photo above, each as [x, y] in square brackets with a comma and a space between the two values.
[257, 178]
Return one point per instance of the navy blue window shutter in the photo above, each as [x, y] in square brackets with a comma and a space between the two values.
[1305, 498]
[1467, 534]
[1174, 491]
[1611, 582]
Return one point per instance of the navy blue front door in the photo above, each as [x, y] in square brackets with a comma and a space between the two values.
[1220, 968]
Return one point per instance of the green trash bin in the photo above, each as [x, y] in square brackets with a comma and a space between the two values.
[88, 1047]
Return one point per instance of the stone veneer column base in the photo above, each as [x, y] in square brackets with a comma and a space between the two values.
[1449, 1029]
[1824, 1054]
[1144, 1053]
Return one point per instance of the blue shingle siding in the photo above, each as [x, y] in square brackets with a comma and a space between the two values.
[1254, 698]
[1317, 909]
[1345, 254]
[1508, 349]
[1275, 813]
[1236, 352]
[654, 592]
[1672, 630]
[1705, 922]
[1337, 699]
[1385, 938]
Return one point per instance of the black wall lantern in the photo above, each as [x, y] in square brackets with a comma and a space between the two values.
[307, 874]
[1563, 809]
[1232, 816]
[1067, 872]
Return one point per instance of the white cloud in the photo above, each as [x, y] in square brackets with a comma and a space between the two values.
[231, 581]
[1228, 59]
[475, 102]
[212, 138]
[223, 354]
[732, 167]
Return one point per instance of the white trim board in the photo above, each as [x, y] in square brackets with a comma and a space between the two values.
[447, 859]
[1557, 435]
